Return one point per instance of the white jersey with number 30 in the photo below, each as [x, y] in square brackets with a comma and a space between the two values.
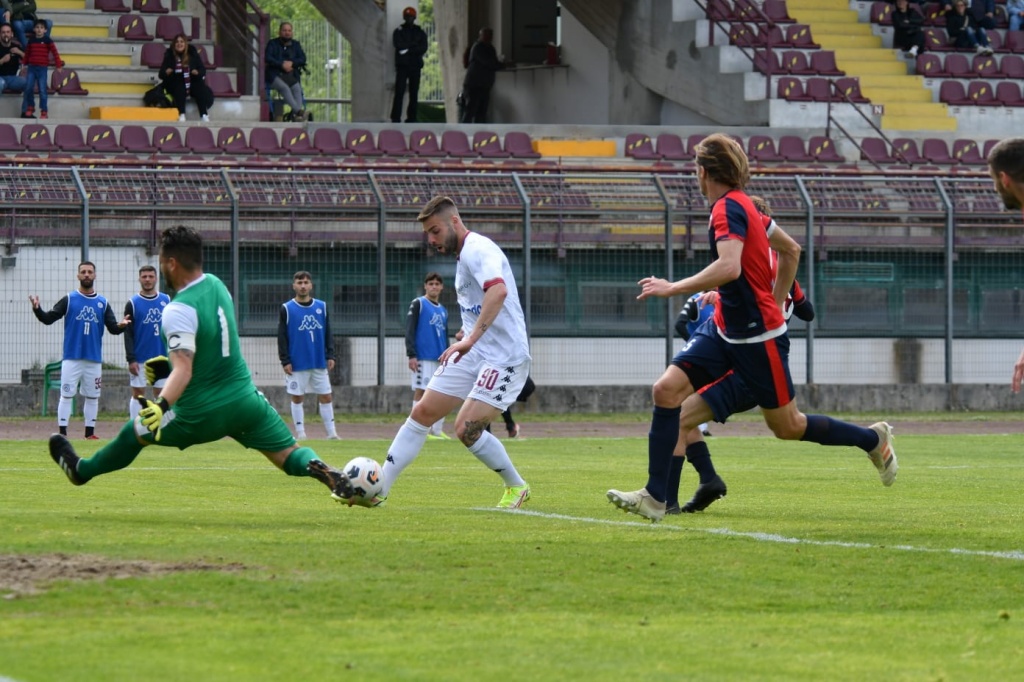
[482, 264]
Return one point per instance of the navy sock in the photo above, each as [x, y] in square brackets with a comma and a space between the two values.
[828, 431]
[699, 456]
[661, 442]
[675, 472]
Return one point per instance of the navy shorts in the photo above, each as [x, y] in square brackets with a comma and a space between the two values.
[734, 377]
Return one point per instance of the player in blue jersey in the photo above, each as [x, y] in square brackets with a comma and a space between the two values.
[1006, 166]
[749, 338]
[142, 339]
[209, 392]
[426, 337]
[85, 314]
[305, 347]
[696, 311]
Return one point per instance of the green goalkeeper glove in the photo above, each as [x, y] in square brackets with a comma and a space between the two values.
[157, 368]
[152, 414]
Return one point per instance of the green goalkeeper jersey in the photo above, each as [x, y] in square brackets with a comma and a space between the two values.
[219, 373]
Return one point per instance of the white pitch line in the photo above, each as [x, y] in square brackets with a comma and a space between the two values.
[1013, 555]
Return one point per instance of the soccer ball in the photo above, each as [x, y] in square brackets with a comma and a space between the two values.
[366, 478]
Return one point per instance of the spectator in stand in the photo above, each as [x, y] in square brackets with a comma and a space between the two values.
[1015, 8]
[410, 43]
[285, 61]
[5, 12]
[23, 19]
[37, 59]
[476, 88]
[963, 29]
[908, 34]
[984, 13]
[184, 74]
[11, 55]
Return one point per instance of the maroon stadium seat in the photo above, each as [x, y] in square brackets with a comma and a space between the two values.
[231, 140]
[1008, 94]
[936, 40]
[220, 84]
[746, 10]
[986, 66]
[935, 151]
[111, 6]
[952, 92]
[823, 150]
[930, 65]
[982, 94]
[36, 138]
[851, 88]
[967, 152]
[823, 63]
[1015, 42]
[392, 143]
[101, 138]
[520, 146]
[776, 11]
[744, 35]
[995, 42]
[205, 56]
[791, 148]
[149, 6]
[68, 138]
[771, 35]
[874, 149]
[881, 13]
[934, 14]
[200, 140]
[455, 143]
[762, 148]
[799, 35]
[424, 143]
[791, 89]
[170, 26]
[1012, 66]
[264, 142]
[640, 146]
[167, 140]
[670, 147]
[765, 62]
[720, 10]
[488, 145]
[152, 55]
[905, 150]
[820, 90]
[132, 27]
[360, 142]
[330, 142]
[296, 141]
[65, 82]
[958, 67]
[794, 62]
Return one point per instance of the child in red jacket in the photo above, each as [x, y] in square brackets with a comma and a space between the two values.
[37, 62]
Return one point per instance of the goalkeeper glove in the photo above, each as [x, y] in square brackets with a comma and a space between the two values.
[157, 368]
[152, 414]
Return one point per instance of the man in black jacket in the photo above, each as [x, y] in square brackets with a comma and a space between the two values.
[410, 43]
[284, 61]
[476, 88]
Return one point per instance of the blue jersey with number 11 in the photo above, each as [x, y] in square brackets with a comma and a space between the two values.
[83, 327]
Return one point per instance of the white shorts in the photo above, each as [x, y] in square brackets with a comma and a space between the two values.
[86, 373]
[421, 378]
[496, 385]
[308, 381]
[139, 381]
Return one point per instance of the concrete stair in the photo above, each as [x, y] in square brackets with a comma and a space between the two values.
[883, 76]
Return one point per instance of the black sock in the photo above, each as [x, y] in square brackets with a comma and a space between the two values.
[63, 430]
[510, 423]
[828, 431]
[699, 456]
[89, 430]
[674, 474]
[661, 443]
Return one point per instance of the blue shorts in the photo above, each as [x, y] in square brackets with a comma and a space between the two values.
[733, 377]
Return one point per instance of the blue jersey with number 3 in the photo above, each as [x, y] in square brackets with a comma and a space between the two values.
[146, 316]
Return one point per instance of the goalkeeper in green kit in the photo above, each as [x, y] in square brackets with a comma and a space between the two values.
[209, 392]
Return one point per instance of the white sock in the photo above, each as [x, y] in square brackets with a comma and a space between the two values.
[404, 448]
[64, 411]
[438, 428]
[491, 452]
[327, 414]
[298, 416]
[91, 409]
[133, 408]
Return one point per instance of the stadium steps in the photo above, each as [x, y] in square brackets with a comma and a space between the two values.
[907, 104]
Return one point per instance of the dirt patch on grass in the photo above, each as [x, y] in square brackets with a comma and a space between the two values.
[22, 575]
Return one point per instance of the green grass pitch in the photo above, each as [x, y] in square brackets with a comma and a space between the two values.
[809, 570]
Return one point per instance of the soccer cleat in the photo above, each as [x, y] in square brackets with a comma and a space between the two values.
[673, 508]
[92, 437]
[884, 454]
[706, 494]
[638, 502]
[514, 432]
[515, 497]
[337, 481]
[375, 501]
[64, 455]
[333, 436]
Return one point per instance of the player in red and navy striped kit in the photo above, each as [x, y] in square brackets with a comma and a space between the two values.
[751, 338]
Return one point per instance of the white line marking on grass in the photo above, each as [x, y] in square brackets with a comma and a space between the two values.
[1013, 555]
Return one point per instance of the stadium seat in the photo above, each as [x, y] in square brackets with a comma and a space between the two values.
[968, 153]
[36, 138]
[987, 147]
[820, 90]
[455, 143]
[520, 146]
[791, 89]
[874, 149]
[995, 42]
[132, 27]
[220, 84]
[360, 142]
[149, 6]
[101, 138]
[823, 63]
[794, 62]
[65, 82]
[217, 59]
[746, 10]
[791, 148]
[392, 143]
[904, 150]
[767, 62]
[68, 138]
[850, 87]
[167, 140]
[152, 55]
[111, 6]
[231, 140]
[1012, 66]
[982, 94]
[930, 65]
[952, 92]
[936, 40]
[934, 14]
[424, 143]
[170, 26]
[1014, 42]
[639, 146]
[488, 145]
[958, 67]
[1008, 94]
[881, 13]
[200, 140]
[776, 11]
[670, 147]
[799, 35]
[329, 142]
[771, 35]
[744, 36]
[264, 142]
[720, 10]
[935, 151]
[823, 150]
[761, 148]
[296, 142]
